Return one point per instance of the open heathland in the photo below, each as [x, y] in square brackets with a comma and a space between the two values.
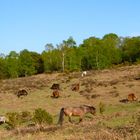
[103, 89]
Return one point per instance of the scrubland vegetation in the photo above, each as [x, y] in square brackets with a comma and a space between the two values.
[35, 116]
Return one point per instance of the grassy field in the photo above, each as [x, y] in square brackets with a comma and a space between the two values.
[119, 121]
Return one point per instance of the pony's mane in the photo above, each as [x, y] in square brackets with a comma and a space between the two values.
[87, 105]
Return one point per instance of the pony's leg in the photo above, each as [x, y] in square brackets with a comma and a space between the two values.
[70, 120]
[80, 119]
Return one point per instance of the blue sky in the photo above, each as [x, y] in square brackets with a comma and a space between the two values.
[30, 24]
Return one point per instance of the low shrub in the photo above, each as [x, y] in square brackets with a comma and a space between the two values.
[25, 116]
[13, 120]
[42, 117]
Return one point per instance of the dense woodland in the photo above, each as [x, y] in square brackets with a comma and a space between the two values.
[93, 53]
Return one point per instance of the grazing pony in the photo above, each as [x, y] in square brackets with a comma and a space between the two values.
[55, 86]
[124, 100]
[75, 111]
[84, 73]
[3, 119]
[22, 92]
[75, 87]
[55, 94]
[132, 97]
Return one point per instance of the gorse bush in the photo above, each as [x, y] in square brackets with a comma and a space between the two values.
[13, 120]
[25, 116]
[39, 116]
[42, 117]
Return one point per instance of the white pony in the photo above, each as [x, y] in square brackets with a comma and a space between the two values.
[3, 119]
[84, 73]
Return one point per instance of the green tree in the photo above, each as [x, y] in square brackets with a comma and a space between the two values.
[26, 64]
[49, 47]
[52, 60]
[131, 49]
[12, 64]
[74, 57]
[93, 52]
[3, 70]
[48, 57]
[37, 62]
[64, 47]
[112, 52]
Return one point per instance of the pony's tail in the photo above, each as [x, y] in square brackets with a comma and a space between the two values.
[61, 116]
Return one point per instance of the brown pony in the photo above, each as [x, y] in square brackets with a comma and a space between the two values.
[75, 111]
[132, 97]
[75, 87]
[55, 94]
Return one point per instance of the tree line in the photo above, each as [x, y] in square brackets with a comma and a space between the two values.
[93, 53]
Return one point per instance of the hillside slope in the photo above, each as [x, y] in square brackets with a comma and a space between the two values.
[106, 87]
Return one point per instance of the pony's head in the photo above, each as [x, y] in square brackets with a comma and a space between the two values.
[92, 110]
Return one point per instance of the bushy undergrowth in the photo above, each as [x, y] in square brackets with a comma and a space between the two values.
[13, 120]
[16, 119]
[25, 116]
[42, 117]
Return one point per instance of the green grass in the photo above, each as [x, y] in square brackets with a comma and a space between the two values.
[129, 108]
[118, 121]
[119, 115]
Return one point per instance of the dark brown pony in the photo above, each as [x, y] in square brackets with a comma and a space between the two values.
[55, 86]
[21, 92]
[75, 87]
[75, 111]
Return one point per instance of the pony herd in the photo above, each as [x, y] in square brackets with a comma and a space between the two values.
[56, 89]
[71, 111]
